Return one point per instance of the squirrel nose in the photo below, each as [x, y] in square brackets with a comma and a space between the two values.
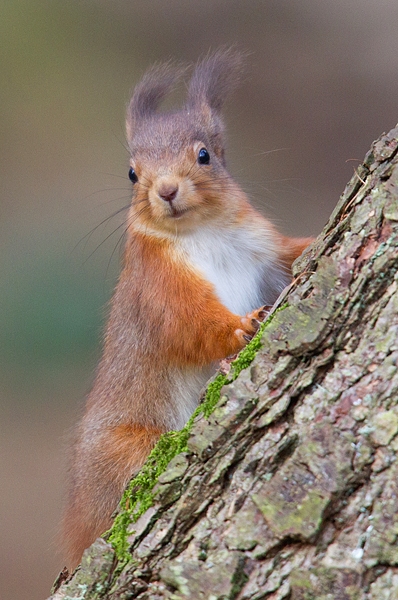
[168, 192]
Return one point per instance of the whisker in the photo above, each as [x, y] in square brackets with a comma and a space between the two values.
[103, 190]
[118, 243]
[194, 163]
[123, 144]
[114, 175]
[130, 219]
[90, 233]
[266, 152]
[103, 242]
[115, 200]
[208, 179]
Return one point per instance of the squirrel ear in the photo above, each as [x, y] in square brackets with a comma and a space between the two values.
[213, 78]
[158, 81]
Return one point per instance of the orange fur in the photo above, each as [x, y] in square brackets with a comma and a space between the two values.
[187, 304]
[292, 248]
[122, 451]
[199, 263]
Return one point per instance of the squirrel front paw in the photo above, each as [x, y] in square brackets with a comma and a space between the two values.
[250, 324]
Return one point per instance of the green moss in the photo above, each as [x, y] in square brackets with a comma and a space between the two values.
[138, 496]
[239, 579]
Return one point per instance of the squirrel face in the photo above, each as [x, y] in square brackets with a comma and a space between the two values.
[177, 158]
[180, 186]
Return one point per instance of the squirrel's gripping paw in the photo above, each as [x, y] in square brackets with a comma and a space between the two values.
[250, 324]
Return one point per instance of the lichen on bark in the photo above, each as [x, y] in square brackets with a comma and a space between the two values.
[288, 486]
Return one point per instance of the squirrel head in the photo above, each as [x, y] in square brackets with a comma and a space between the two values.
[177, 157]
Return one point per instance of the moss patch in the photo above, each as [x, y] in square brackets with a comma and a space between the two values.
[138, 496]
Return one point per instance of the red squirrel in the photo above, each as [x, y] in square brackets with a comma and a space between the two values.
[199, 264]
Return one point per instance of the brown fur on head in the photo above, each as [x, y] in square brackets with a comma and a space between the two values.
[157, 82]
[212, 80]
[165, 145]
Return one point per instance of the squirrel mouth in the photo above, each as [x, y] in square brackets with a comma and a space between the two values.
[176, 213]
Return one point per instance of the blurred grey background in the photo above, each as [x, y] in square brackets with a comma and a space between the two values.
[322, 83]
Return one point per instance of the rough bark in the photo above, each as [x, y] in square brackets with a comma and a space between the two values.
[289, 490]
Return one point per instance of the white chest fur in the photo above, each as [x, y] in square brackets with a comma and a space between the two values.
[241, 263]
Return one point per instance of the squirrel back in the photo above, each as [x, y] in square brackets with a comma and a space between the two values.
[199, 264]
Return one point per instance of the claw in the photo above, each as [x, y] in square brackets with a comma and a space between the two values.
[247, 338]
[255, 324]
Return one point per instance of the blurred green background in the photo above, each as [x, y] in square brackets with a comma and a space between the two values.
[322, 84]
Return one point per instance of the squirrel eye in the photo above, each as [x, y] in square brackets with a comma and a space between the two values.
[133, 175]
[203, 157]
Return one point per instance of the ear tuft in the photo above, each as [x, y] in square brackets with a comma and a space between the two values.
[214, 78]
[156, 83]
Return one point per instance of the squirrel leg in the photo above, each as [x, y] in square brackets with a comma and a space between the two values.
[226, 334]
[292, 248]
[94, 495]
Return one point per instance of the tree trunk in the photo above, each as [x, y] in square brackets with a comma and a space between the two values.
[289, 489]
